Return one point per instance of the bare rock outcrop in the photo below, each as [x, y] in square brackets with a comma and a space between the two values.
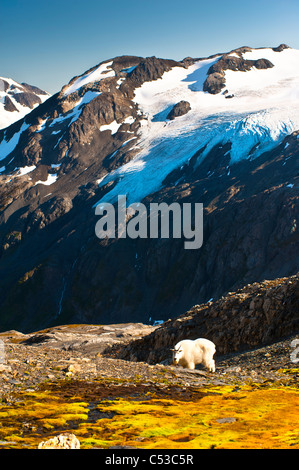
[179, 109]
[215, 80]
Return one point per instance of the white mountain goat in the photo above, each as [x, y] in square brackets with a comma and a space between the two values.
[187, 353]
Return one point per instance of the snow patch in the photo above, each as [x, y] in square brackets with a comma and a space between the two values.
[119, 82]
[50, 180]
[233, 54]
[129, 120]
[6, 147]
[42, 125]
[129, 69]
[95, 76]
[113, 127]
[25, 170]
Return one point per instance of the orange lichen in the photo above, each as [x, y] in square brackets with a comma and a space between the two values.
[38, 412]
[247, 416]
[258, 419]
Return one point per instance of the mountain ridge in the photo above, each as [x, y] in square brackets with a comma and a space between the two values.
[17, 100]
[257, 315]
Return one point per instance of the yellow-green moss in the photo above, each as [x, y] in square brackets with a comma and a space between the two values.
[261, 419]
[38, 410]
[294, 371]
[261, 416]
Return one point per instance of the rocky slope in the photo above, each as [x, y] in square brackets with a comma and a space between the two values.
[258, 314]
[145, 127]
[17, 100]
[72, 356]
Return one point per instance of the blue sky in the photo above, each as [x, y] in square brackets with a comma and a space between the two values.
[47, 43]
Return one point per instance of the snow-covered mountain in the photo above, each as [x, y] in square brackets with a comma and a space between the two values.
[248, 97]
[254, 111]
[222, 130]
[17, 100]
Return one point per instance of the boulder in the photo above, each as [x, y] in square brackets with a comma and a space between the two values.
[179, 109]
[263, 64]
[281, 48]
[214, 83]
[62, 441]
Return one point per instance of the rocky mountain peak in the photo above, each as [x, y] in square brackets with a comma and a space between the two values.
[156, 130]
[17, 100]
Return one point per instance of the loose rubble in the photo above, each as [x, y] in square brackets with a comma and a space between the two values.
[78, 352]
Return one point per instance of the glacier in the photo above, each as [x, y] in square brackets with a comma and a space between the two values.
[263, 111]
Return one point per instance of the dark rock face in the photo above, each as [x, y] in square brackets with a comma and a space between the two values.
[147, 70]
[33, 89]
[8, 104]
[4, 85]
[179, 109]
[27, 99]
[230, 63]
[281, 48]
[55, 261]
[215, 81]
[238, 64]
[263, 64]
[258, 314]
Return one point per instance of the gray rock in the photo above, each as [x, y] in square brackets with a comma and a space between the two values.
[226, 420]
[214, 83]
[179, 109]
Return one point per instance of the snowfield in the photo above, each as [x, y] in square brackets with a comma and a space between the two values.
[263, 110]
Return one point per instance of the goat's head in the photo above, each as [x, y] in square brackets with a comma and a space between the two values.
[177, 353]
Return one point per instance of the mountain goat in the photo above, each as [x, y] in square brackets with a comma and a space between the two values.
[188, 353]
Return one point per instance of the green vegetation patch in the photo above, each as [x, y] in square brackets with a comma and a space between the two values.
[246, 416]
